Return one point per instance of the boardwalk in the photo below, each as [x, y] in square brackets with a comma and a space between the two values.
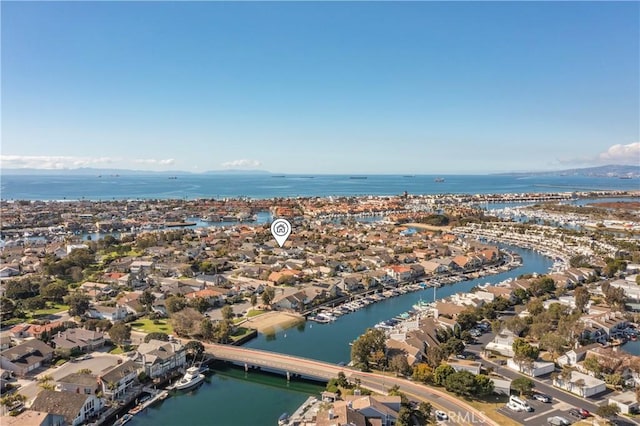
[459, 411]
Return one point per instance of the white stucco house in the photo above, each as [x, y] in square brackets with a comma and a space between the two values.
[581, 384]
[534, 369]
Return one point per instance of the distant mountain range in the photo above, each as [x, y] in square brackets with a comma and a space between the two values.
[84, 171]
[611, 170]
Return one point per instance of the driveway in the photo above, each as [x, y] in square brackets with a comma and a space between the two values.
[98, 362]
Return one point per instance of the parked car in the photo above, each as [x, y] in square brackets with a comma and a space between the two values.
[513, 407]
[558, 421]
[584, 412]
[441, 415]
[84, 357]
[577, 413]
[542, 397]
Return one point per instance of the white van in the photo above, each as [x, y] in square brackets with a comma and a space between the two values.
[518, 402]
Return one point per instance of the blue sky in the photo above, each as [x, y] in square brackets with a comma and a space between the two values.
[328, 87]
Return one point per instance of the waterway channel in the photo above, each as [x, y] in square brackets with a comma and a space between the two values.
[232, 397]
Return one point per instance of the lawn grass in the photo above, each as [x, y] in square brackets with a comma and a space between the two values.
[255, 312]
[489, 409]
[240, 333]
[53, 308]
[147, 325]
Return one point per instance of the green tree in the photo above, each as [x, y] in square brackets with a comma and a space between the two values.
[54, 291]
[535, 307]
[175, 304]
[120, 333]
[78, 304]
[7, 308]
[206, 329]
[422, 372]
[399, 364]
[516, 325]
[194, 348]
[461, 383]
[200, 304]
[146, 299]
[405, 416]
[267, 296]
[453, 346]
[372, 341]
[435, 355]
[227, 312]
[441, 373]
[542, 285]
[484, 385]
[253, 300]
[608, 411]
[522, 385]
[524, 351]
[467, 319]
[581, 295]
[592, 364]
[156, 335]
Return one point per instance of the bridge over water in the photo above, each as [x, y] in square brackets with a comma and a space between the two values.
[459, 411]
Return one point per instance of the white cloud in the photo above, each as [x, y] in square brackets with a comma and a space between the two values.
[621, 154]
[244, 163]
[52, 162]
[61, 162]
[165, 162]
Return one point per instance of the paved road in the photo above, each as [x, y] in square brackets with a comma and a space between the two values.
[542, 385]
[460, 412]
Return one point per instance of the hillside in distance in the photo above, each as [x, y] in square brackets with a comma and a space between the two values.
[611, 170]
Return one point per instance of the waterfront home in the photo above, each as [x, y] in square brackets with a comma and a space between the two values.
[618, 361]
[297, 301]
[26, 357]
[119, 380]
[76, 408]
[603, 325]
[159, 358]
[33, 418]
[339, 413]
[78, 339]
[83, 383]
[398, 344]
[533, 369]
[502, 343]
[580, 384]
[447, 308]
[574, 356]
[380, 408]
[433, 268]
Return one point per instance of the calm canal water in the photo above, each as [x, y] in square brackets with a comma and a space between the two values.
[232, 398]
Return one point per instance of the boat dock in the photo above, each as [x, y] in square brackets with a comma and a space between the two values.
[306, 413]
[155, 397]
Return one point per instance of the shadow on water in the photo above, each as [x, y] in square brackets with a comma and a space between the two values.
[307, 386]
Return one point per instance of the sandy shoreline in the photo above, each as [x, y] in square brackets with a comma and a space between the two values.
[272, 321]
[427, 227]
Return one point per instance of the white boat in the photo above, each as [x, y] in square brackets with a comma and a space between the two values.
[191, 378]
[122, 420]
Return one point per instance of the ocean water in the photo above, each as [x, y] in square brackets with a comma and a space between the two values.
[63, 187]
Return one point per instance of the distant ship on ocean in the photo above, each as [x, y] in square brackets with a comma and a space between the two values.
[357, 177]
[438, 180]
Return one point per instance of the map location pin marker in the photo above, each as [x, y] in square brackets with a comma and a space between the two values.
[281, 229]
